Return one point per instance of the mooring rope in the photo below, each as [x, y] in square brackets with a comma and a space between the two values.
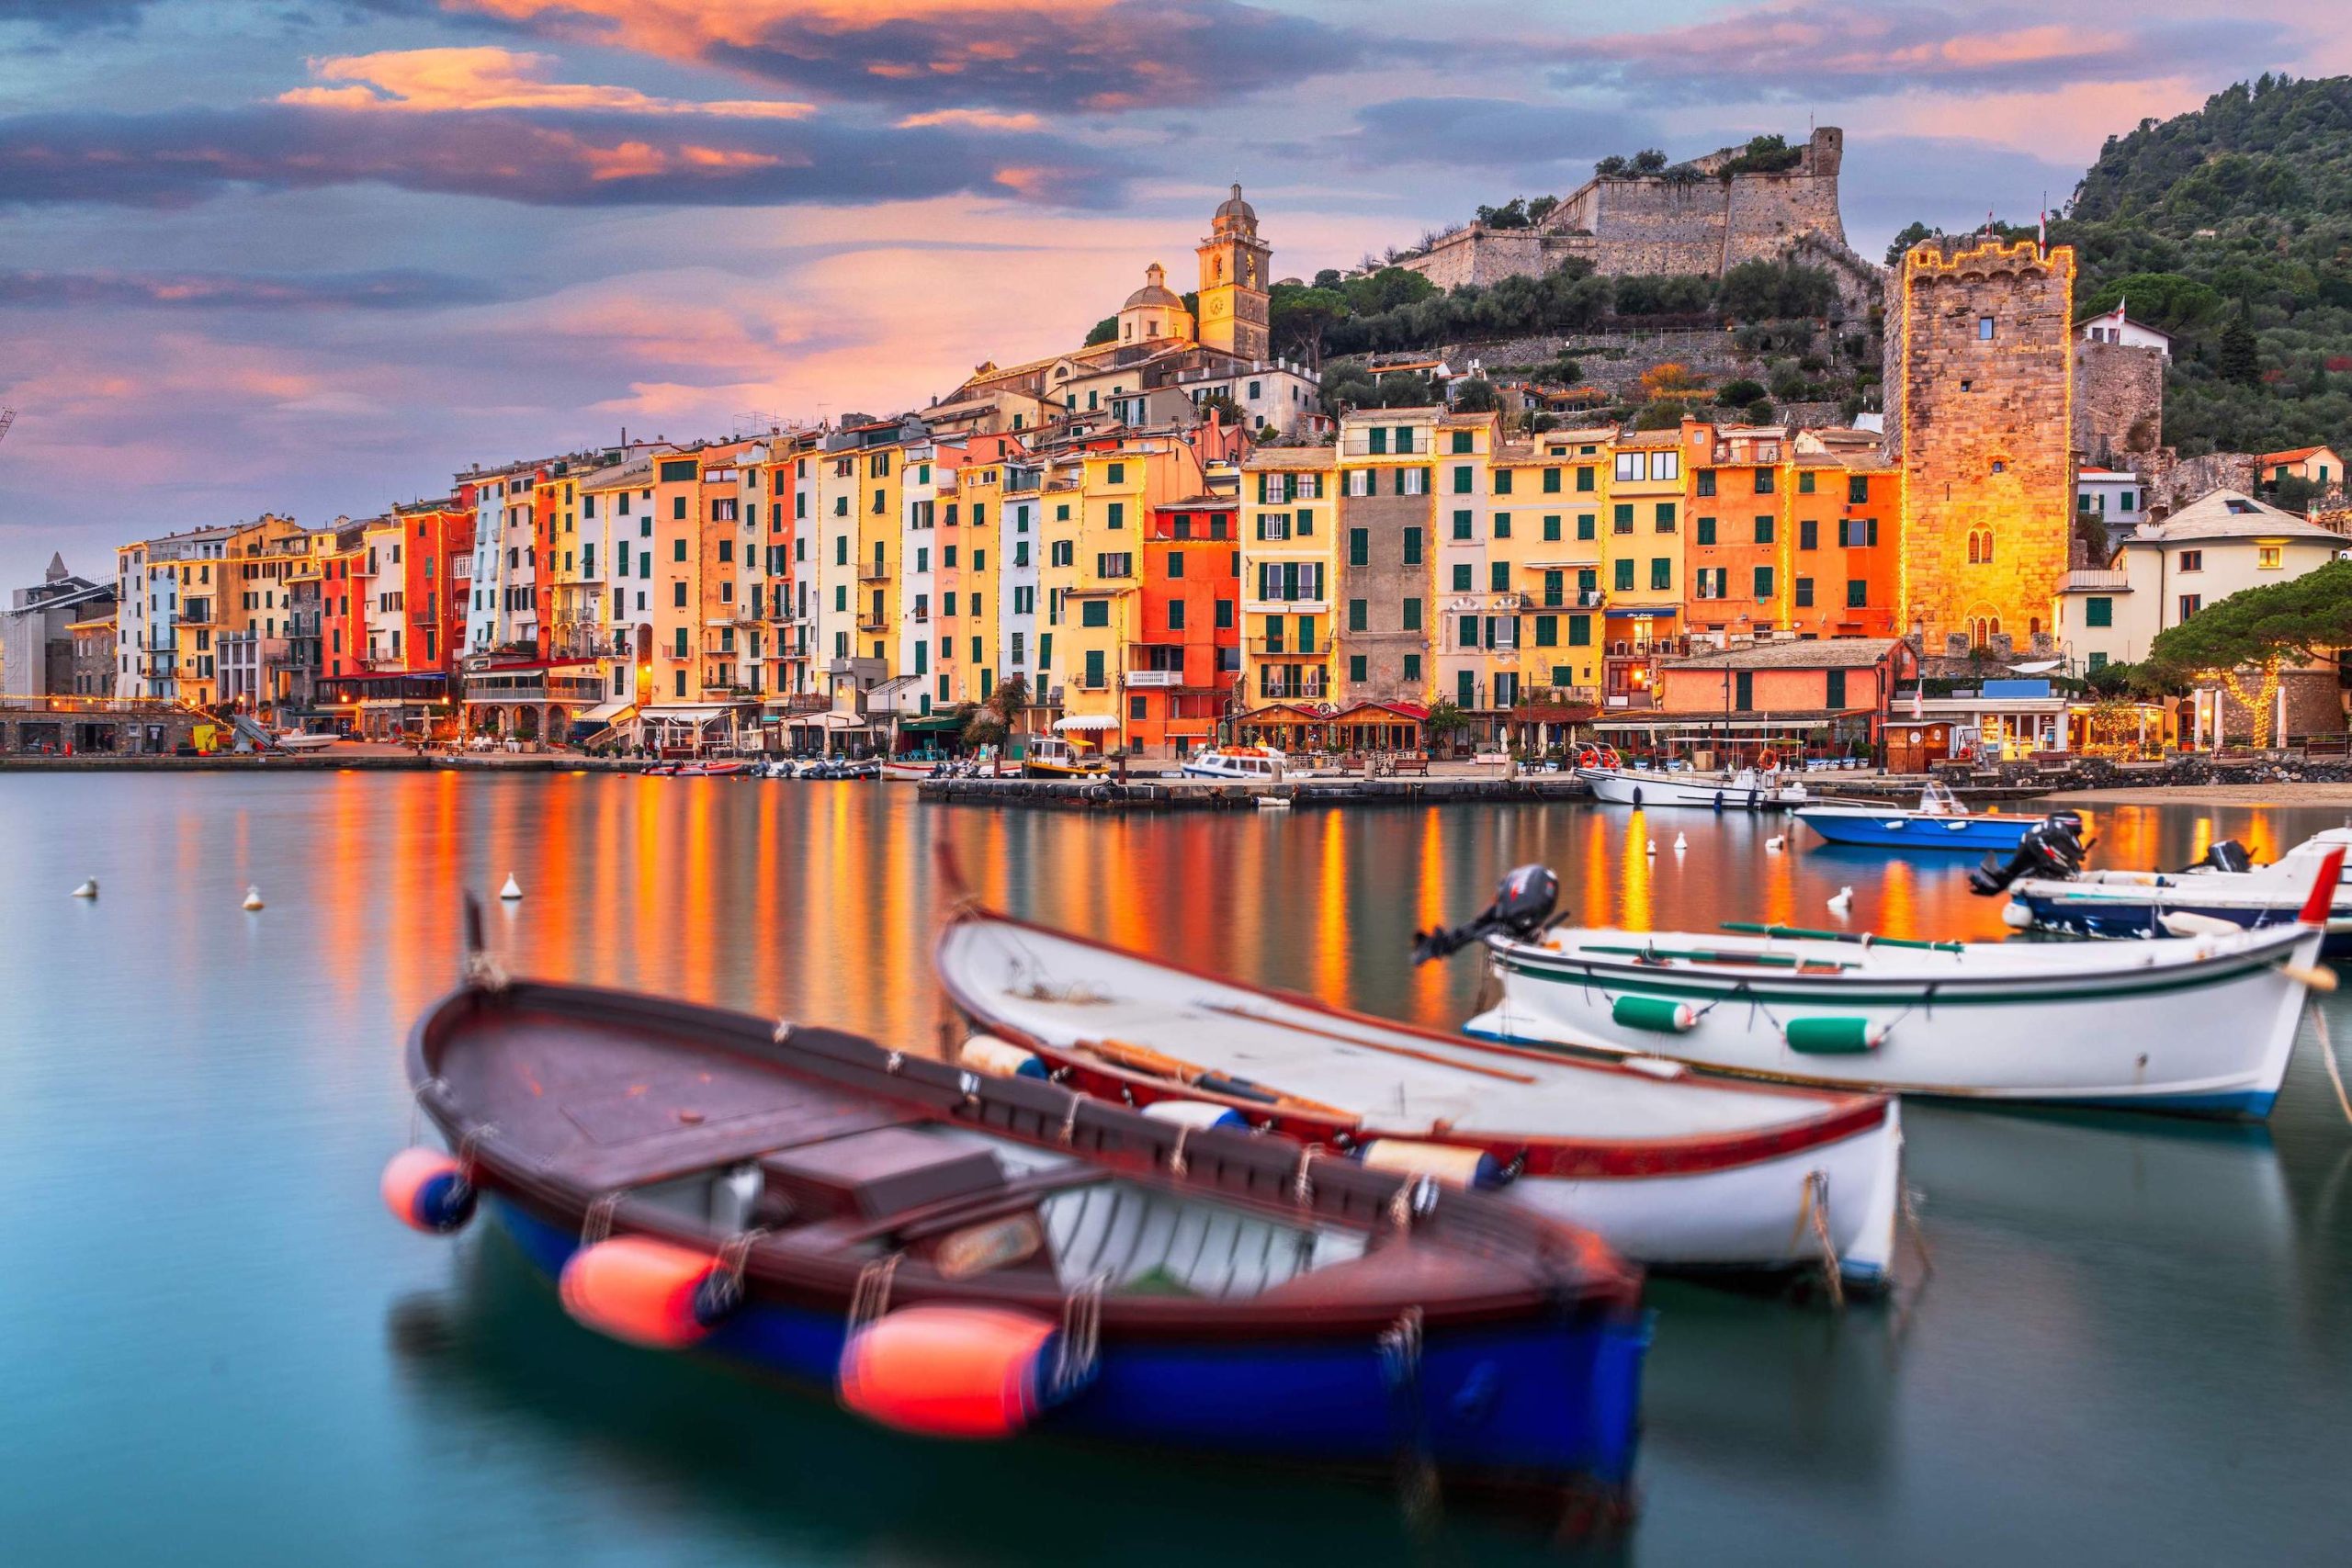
[1815, 1215]
[2328, 1054]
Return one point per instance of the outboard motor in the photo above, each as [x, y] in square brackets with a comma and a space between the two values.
[2052, 850]
[2227, 855]
[1522, 907]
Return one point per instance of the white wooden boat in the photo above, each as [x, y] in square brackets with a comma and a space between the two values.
[2202, 1024]
[304, 741]
[2143, 903]
[1671, 1168]
[1732, 789]
[911, 770]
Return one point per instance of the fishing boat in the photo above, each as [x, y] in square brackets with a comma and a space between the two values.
[2202, 1024]
[1670, 1169]
[914, 766]
[2052, 892]
[303, 741]
[1730, 789]
[1939, 822]
[1250, 764]
[1052, 757]
[957, 1256]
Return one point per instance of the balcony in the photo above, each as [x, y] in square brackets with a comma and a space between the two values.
[1360, 444]
[1286, 606]
[1308, 690]
[1284, 648]
[1155, 677]
[872, 624]
[870, 573]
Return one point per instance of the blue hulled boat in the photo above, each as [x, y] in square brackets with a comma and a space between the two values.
[1938, 823]
[966, 1257]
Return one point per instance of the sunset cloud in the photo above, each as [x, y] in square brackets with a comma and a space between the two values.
[446, 80]
[1098, 55]
[977, 119]
[389, 290]
[1809, 49]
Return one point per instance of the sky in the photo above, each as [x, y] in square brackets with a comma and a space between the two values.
[314, 256]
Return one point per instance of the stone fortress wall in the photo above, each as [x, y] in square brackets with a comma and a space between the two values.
[1649, 224]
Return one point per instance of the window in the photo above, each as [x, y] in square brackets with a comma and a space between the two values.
[1805, 592]
[2098, 661]
[1358, 547]
[1764, 529]
[1175, 563]
[1413, 667]
[1412, 547]
[2192, 560]
[1808, 534]
[1502, 524]
[678, 595]
[1412, 614]
[2099, 612]
[1666, 464]
[1744, 691]
[1224, 615]
[1469, 634]
[1461, 475]
[1502, 481]
[1857, 593]
[1661, 572]
[1665, 517]
[1462, 441]
[1547, 631]
[1552, 482]
[1585, 478]
[1114, 564]
[1466, 689]
[1984, 329]
[1805, 482]
[1095, 669]
[1116, 515]
[1461, 524]
[1620, 520]
[1623, 576]
[1629, 468]
[2190, 603]
[677, 549]
[1836, 689]
[1176, 614]
[1763, 582]
[2266, 556]
[1763, 481]
[1580, 631]
[1412, 481]
[1461, 578]
[1587, 525]
[1706, 481]
[1376, 440]
[1552, 529]
[1858, 491]
[1094, 613]
[1356, 667]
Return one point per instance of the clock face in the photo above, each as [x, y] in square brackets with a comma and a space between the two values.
[1212, 306]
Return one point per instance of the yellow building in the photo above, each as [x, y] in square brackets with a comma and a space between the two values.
[1099, 578]
[1551, 486]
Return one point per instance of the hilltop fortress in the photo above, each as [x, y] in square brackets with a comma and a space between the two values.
[1697, 219]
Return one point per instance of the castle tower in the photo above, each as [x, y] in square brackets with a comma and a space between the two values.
[1979, 387]
[1234, 263]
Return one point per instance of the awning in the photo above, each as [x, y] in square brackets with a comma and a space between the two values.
[1088, 723]
[606, 712]
[827, 720]
[935, 723]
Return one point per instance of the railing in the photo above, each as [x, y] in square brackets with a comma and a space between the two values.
[1293, 691]
[1284, 648]
[871, 573]
[1155, 677]
[872, 624]
[1360, 444]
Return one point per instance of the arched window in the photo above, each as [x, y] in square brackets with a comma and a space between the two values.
[1987, 556]
[1972, 557]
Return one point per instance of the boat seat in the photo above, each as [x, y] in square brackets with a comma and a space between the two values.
[1134, 1238]
[874, 1175]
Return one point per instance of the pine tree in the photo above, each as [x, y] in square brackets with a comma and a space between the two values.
[2241, 357]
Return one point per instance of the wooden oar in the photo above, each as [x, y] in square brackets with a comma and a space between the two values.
[1441, 1060]
[1158, 1064]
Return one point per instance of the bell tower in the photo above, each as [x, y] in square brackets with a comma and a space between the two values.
[1234, 263]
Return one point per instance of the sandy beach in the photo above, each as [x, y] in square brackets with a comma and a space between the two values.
[2208, 795]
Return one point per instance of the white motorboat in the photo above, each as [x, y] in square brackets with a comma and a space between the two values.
[1729, 789]
[1671, 1168]
[1250, 764]
[303, 741]
[2203, 1024]
[2048, 891]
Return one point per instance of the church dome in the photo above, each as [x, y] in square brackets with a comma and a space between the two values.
[1155, 291]
[1235, 212]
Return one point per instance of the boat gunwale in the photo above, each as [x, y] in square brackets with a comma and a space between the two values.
[1849, 1113]
[1561, 1268]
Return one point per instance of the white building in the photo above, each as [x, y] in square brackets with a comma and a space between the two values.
[2116, 497]
[503, 606]
[1020, 541]
[2115, 326]
[2167, 571]
[1279, 392]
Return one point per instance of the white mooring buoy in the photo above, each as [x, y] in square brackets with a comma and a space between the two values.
[253, 899]
[1842, 901]
[1652, 847]
[1776, 843]
[88, 889]
[513, 889]
[1680, 843]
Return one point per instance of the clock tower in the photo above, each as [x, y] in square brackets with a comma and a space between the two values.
[1233, 261]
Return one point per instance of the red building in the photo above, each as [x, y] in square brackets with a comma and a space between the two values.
[1187, 654]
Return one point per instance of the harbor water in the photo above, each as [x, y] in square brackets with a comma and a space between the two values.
[215, 1348]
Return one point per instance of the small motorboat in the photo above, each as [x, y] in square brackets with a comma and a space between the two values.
[1052, 757]
[958, 1256]
[1248, 764]
[1672, 1170]
[2202, 1024]
[1734, 789]
[912, 768]
[2050, 890]
[303, 741]
[1938, 822]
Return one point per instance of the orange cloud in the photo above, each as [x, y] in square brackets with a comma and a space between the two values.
[975, 119]
[446, 80]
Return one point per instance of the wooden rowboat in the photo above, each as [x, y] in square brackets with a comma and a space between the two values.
[966, 1257]
[1670, 1169]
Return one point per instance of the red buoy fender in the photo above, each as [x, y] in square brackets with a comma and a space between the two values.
[946, 1371]
[645, 1292]
[427, 1190]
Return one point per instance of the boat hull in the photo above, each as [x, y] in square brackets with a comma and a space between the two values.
[1036, 769]
[1505, 1409]
[2209, 1038]
[1700, 791]
[1897, 829]
[2074, 910]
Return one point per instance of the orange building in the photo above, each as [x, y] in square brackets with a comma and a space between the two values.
[1827, 696]
[1186, 653]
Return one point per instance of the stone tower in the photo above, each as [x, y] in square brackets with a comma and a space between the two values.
[1234, 274]
[1979, 383]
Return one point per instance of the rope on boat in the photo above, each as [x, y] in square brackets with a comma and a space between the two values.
[416, 1108]
[783, 1030]
[1909, 1215]
[598, 1224]
[1412, 1200]
[724, 1290]
[1815, 1215]
[1400, 1359]
[484, 974]
[1303, 1186]
[1070, 1121]
[1176, 1156]
[1081, 1337]
[469, 1151]
[871, 1298]
[2328, 1054]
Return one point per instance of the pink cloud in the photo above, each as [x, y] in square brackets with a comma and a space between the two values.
[975, 119]
[446, 80]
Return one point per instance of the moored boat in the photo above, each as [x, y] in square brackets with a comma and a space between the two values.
[2049, 890]
[1052, 757]
[1248, 764]
[304, 741]
[1671, 1170]
[2202, 1024]
[1938, 822]
[1732, 789]
[963, 1257]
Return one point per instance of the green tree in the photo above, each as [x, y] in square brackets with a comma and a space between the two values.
[1911, 234]
[1103, 330]
[1299, 318]
[2241, 359]
[2258, 629]
[1739, 393]
[1446, 722]
[1478, 395]
[1009, 699]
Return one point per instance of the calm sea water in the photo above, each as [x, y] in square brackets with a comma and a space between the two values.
[2136, 1344]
